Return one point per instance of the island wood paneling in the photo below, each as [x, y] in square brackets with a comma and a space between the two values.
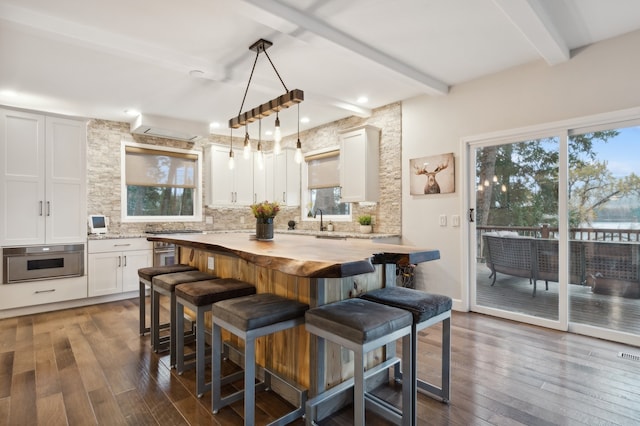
[288, 353]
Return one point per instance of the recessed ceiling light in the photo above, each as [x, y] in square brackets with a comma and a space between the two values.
[215, 125]
[362, 100]
[132, 112]
[268, 132]
[196, 74]
[8, 93]
[304, 120]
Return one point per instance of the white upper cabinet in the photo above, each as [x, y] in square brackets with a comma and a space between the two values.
[263, 178]
[43, 179]
[286, 178]
[226, 187]
[359, 165]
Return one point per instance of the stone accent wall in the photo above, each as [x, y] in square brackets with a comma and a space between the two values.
[104, 171]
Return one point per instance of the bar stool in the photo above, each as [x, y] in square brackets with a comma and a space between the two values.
[165, 285]
[361, 326]
[250, 317]
[427, 310]
[199, 296]
[145, 276]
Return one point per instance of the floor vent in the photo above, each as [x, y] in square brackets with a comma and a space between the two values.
[626, 355]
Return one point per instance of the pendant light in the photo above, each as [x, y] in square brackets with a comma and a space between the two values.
[298, 155]
[289, 98]
[232, 162]
[246, 151]
[259, 150]
[277, 136]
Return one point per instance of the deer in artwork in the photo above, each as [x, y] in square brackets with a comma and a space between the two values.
[431, 186]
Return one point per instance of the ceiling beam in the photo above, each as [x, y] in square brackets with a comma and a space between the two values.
[309, 23]
[532, 20]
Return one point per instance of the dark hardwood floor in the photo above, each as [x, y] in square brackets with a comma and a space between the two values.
[89, 366]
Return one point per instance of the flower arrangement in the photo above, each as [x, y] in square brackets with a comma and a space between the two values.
[265, 210]
[365, 219]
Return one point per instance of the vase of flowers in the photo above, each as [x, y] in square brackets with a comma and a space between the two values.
[264, 213]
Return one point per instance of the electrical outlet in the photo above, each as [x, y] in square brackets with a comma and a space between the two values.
[455, 219]
[210, 264]
[443, 220]
[209, 220]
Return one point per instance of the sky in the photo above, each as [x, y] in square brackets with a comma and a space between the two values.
[622, 152]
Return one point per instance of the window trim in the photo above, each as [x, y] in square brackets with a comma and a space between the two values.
[176, 152]
[305, 198]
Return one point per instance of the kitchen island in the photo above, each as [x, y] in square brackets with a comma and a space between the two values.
[306, 268]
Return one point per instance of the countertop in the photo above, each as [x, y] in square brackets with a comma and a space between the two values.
[327, 234]
[305, 255]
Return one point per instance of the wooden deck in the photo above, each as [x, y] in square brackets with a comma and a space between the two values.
[515, 294]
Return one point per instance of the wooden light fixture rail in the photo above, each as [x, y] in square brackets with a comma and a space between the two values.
[281, 102]
[290, 98]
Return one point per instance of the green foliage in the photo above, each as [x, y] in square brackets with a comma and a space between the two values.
[265, 210]
[519, 184]
[365, 219]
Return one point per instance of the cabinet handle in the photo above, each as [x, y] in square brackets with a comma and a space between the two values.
[125, 261]
[40, 208]
[121, 245]
[48, 208]
[119, 261]
[255, 198]
[45, 291]
[284, 197]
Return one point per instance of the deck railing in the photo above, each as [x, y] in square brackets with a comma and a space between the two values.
[584, 234]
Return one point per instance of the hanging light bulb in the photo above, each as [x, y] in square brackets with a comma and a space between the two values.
[259, 151]
[232, 162]
[246, 151]
[277, 136]
[298, 155]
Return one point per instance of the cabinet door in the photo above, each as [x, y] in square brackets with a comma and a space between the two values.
[105, 273]
[286, 178]
[243, 180]
[221, 183]
[131, 262]
[22, 180]
[260, 179]
[65, 210]
[359, 165]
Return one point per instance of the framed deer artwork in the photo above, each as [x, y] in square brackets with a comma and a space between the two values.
[432, 175]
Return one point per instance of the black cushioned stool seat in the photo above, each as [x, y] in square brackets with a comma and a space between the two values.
[427, 309]
[250, 317]
[145, 276]
[199, 296]
[165, 285]
[361, 326]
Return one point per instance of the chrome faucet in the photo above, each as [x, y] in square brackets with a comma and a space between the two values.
[322, 227]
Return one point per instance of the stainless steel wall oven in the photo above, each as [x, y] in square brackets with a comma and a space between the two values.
[32, 263]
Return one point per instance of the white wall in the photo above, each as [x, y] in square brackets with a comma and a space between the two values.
[600, 78]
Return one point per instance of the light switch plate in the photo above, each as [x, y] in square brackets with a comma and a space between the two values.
[443, 220]
[210, 263]
[455, 220]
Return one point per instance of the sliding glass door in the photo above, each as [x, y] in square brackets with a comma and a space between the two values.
[516, 205]
[555, 239]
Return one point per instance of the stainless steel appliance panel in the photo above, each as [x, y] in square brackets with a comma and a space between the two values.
[42, 262]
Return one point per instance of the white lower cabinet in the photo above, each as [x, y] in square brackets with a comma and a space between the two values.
[20, 295]
[114, 264]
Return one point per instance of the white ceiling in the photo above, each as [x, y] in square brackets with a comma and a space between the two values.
[97, 59]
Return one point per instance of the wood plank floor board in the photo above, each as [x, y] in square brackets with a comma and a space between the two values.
[47, 377]
[105, 407]
[23, 398]
[6, 373]
[134, 409]
[51, 410]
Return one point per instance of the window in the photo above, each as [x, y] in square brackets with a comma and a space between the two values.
[161, 184]
[323, 183]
